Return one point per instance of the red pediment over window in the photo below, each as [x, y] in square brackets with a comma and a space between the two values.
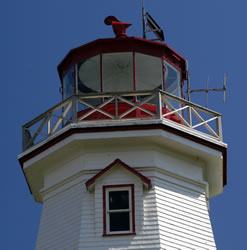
[146, 181]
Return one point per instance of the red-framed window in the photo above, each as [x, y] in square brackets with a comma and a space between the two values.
[118, 210]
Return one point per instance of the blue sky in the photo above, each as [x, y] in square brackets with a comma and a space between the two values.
[36, 35]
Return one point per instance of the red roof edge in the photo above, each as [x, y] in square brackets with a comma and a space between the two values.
[118, 161]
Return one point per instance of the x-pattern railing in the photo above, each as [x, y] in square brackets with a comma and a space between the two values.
[116, 99]
[193, 110]
[80, 108]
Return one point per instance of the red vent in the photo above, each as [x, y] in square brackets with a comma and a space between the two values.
[119, 28]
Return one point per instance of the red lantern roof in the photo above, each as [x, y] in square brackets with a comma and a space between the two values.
[121, 44]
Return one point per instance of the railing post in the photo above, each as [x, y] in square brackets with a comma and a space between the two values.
[189, 116]
[159, 105]
[219, 127]
[116, 107]
[26, 137]
[49, 124]
[74, 108]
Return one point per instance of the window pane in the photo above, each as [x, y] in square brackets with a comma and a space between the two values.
[119, 221]
[118, 200]
[149, 73]
[89, 75]
[172, 79]
[117, 72]
[172, 82]
[68, 83]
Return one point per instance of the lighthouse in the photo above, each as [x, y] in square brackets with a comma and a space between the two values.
[124, 161]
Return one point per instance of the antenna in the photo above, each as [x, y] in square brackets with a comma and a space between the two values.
[148, 21]
[207, 90]
[224, 88]
[143, 21]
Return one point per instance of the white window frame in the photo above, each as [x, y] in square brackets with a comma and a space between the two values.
[107, 211]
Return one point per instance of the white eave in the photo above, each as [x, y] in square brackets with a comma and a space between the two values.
[193, 143]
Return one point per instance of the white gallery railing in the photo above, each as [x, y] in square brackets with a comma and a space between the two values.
[127, 106]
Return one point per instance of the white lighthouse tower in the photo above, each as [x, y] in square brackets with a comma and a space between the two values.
[124, 161]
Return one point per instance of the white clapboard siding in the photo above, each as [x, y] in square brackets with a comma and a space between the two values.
[147, 234]
[173, 214]
[59, 225]
[183, 216]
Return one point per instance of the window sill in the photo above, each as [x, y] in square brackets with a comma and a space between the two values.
[120, 234]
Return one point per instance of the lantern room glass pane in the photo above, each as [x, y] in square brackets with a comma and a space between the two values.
[172, 80]
[117, 69]
[173, 83]
[89, 75]
[69, 83]
[149, 73]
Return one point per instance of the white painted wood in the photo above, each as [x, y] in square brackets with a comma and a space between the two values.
[59, 225]
[118, 176]
[184, 221]
[91, 151]
[173, 214]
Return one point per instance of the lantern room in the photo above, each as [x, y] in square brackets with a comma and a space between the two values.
[122, 64]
